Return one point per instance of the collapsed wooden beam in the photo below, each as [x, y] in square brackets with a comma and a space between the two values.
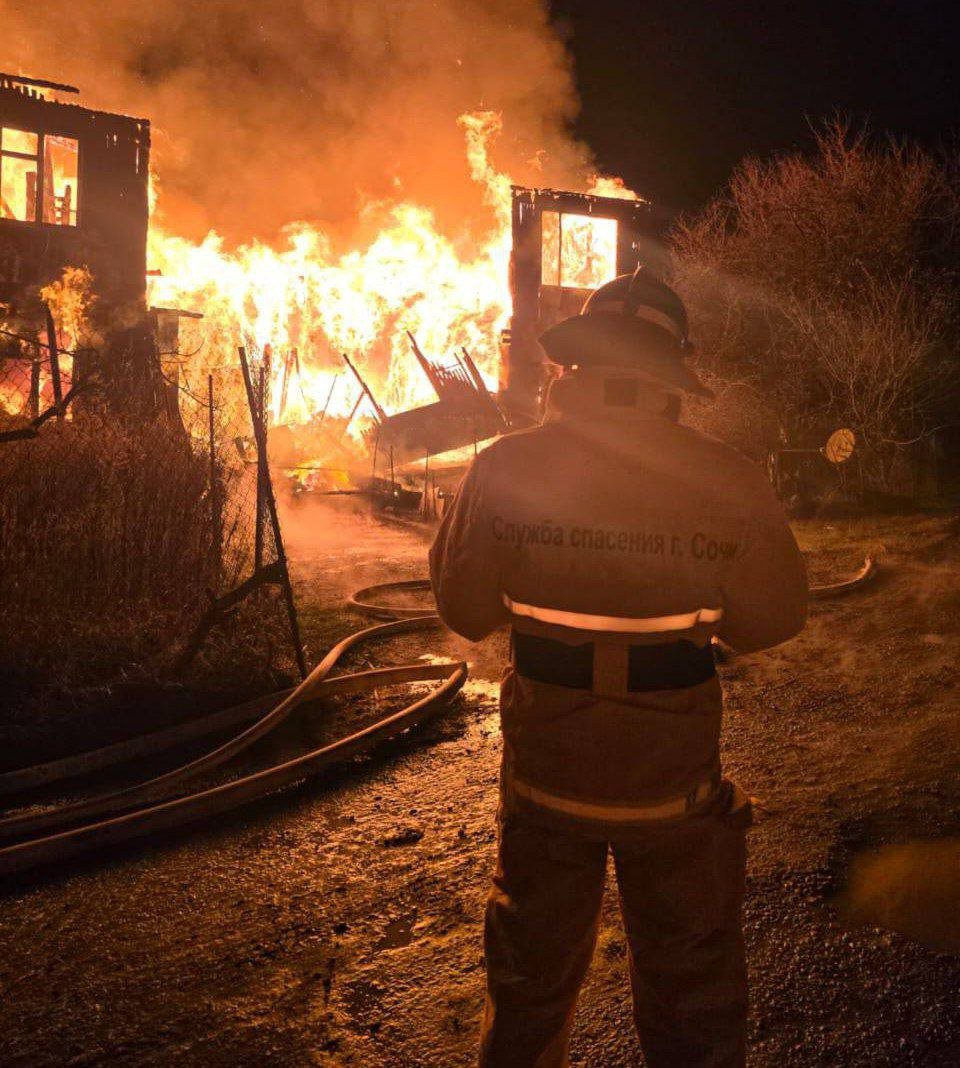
[380, 413]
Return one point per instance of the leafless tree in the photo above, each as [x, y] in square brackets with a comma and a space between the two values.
[828, 285]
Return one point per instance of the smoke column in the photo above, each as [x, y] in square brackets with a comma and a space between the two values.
[264, 114]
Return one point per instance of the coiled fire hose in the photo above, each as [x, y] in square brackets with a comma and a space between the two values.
[159, 803]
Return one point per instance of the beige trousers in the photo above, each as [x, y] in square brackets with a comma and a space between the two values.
[681, 892]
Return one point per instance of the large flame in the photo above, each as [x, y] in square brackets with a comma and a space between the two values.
[304, 298]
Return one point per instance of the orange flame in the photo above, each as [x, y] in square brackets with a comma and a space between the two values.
[302, 296]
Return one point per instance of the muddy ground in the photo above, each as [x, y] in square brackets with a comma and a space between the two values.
[340, 924]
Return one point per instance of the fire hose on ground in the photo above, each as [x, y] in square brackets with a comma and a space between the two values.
[158, 804]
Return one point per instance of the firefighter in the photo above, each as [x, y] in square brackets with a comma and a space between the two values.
[617, 545]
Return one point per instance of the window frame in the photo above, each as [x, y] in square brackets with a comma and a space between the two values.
[42, 149]
[30, 157]
[560, 259]
[39, 159]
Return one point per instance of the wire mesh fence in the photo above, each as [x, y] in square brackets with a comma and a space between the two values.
[35, 381]
[163, 531]
[230, 428]
[220, 429]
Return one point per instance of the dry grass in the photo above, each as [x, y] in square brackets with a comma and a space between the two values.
[106, 555]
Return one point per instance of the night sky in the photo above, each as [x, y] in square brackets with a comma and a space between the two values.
[675, 92]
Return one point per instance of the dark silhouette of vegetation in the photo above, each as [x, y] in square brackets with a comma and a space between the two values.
[824, 291]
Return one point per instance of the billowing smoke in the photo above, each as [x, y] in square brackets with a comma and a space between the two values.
[306, 109]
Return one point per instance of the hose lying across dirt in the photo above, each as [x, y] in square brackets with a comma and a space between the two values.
[866, 574]
[160, 803]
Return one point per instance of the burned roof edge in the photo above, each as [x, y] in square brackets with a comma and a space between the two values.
[541, 193]
[21, 94]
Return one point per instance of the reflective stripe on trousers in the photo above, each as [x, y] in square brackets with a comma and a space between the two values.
[671, 808]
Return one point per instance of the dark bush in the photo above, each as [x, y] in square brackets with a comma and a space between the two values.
[823, 290]
[105, 545]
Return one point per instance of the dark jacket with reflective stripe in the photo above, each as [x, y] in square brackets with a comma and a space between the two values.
[613, 512]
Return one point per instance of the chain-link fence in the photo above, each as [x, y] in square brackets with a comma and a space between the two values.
[223, 412]
[150, 543]
[36, 382]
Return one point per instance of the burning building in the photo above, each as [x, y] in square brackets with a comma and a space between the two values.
[73, 193]
[74, 218]
[344, 336]
[529, 257]
[563, 246]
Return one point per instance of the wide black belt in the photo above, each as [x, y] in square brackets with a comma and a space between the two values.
[667, 666]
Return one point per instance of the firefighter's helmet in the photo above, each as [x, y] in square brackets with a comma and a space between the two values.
[635, 321]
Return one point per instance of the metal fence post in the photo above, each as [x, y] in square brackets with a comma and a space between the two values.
[260, 434]
[216, 512]
[256, 415]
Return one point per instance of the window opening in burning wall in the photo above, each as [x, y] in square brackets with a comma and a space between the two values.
[24, 157]
[19, 167]
[60, 180]
[577, 251]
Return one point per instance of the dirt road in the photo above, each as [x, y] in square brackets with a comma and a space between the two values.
[341, 923]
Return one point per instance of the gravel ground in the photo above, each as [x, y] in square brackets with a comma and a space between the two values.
[340, 924]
